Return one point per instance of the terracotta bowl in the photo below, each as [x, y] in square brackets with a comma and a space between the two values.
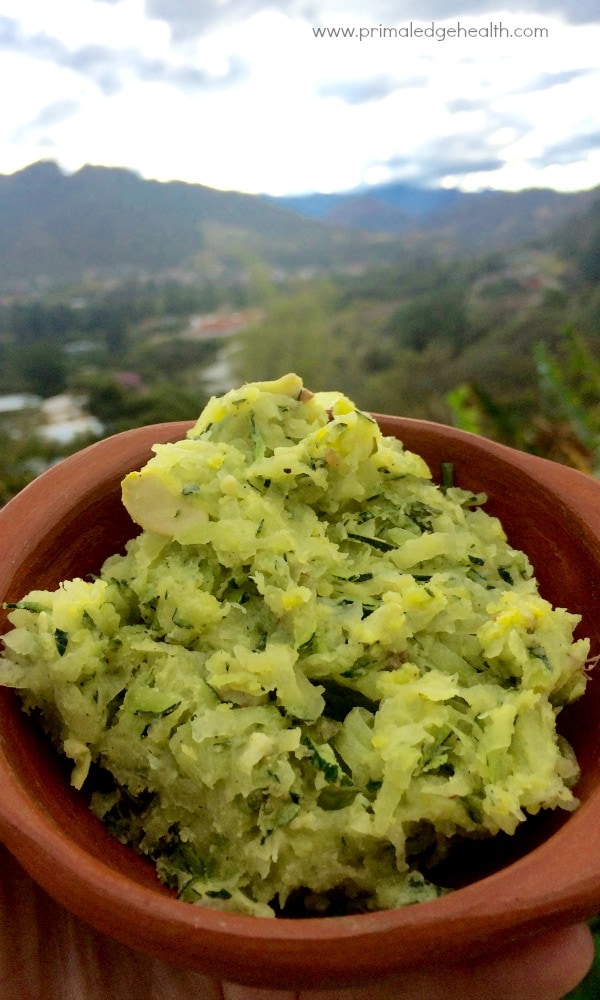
[66, 522]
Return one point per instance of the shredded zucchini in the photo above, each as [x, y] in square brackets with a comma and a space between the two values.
[311, 672]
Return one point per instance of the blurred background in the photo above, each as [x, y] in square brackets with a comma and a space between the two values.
[403, 205]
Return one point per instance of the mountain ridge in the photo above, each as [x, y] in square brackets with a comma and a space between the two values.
[106, 222]
[463, 219]
[110, 220]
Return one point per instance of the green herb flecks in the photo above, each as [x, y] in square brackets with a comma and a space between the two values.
[333, 798]
[540, 654]
[61, 638]
[375, 543]
[331, 771]
[446, 476]
[32, 606]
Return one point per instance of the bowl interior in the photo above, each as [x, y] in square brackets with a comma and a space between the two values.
[68, 521]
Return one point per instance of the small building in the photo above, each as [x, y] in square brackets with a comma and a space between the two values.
[64, 419]
[17, 402]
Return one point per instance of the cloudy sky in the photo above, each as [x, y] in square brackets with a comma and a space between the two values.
[299, 95]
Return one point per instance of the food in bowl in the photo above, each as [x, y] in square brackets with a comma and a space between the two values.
[312, 672]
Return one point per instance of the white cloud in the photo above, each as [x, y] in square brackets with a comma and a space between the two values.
[242, 95]
[188, 17]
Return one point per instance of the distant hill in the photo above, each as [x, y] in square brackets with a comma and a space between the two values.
[103, 222]
[458, 220]
[407, 201]
[578, 241]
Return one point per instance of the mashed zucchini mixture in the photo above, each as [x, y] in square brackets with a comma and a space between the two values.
[310, 671]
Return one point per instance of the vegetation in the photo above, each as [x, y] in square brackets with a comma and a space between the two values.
[506, 345]
[105, 222]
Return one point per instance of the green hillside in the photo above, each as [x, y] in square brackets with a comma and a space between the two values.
[503, 343]
[106, 222]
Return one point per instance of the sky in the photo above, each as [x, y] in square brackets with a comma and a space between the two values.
[296, 96]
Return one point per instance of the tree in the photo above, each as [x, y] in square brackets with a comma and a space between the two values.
[434, 315]
[41, 368]
[295, 336]
[119, 408]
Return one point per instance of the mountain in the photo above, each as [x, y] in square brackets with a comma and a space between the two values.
[507, 219]
[408, 200]
[578, 241]
[105, 222]
[458, 220]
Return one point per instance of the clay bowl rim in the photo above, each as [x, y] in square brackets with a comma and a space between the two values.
[500, 908]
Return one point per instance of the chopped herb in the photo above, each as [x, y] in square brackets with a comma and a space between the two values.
[184, 858]
[540, 653]
[158, 714]
[473, 807]
[258, 443]
[309, 645]
[24, 606]
[261, 643]
[376, 543]
[61, 638]
[446, 475]
[365, 515]
[421, 515]
[358, 670]
[332, 798]
[331, 771]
